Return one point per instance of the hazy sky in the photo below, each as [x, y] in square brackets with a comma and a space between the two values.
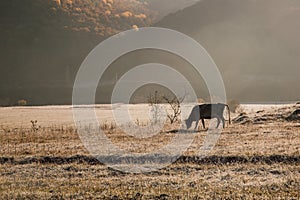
[255, 44]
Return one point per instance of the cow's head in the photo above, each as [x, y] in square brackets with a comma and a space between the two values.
[188, 123]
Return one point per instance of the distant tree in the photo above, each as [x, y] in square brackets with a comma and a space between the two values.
[155, 101]
[175, 107]
[22, 102]
[200, 100]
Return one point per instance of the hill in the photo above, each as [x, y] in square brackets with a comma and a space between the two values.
[254, 43]
[43, 42]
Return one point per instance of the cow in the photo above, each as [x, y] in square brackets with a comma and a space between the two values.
[207, 111]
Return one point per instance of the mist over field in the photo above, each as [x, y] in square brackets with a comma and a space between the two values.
[254, 43]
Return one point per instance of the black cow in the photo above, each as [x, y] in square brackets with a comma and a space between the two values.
[207, 111]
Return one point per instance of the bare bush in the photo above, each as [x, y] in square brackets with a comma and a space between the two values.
[108, 126]
[34, 126]
[22, 102]
[234, 105]
[200, 100]
[154, 101]
[175, 107]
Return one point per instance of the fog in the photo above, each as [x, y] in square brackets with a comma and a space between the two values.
[254, 43]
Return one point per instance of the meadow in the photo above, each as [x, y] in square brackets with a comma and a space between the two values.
[42, 157]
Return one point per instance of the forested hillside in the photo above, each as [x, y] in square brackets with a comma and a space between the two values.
[43, 42]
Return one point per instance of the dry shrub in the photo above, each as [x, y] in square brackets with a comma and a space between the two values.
[108, 126]
[200, 100]
[234, 105]
[22, 102]
[174, 104]
[135, 27]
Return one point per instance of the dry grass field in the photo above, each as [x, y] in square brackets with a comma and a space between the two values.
[256, 157]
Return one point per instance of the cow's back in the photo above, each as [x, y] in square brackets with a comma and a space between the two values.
[205, 111]
[208, 111]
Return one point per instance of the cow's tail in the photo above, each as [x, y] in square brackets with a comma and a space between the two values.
[228, 113]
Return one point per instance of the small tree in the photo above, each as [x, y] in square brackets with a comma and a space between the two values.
[34, 126]
[154, 101]
[22, 102]
[175, 107]
[156, 107]
[201, 101]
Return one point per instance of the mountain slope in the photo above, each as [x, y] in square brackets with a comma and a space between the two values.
[254, 43]
[43, 42]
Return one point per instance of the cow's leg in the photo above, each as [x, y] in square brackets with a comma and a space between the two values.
[203, 122]
[218, 122]
[223, 121]
[197, 122]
